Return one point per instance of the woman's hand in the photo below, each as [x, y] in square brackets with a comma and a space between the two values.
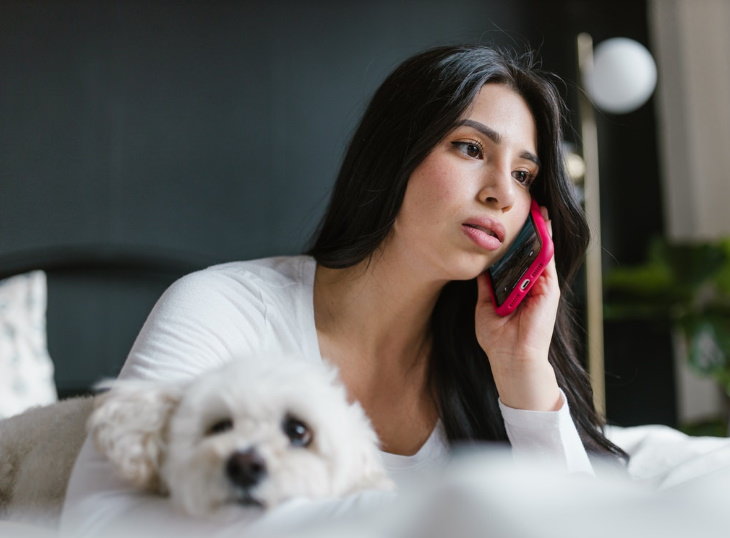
[518, 344]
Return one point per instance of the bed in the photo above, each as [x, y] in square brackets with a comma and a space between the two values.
[676, 485]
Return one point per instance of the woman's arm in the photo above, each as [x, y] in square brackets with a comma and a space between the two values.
[99, 504]
[518, 344]
[202, 321]
[534, 408]
[546, 436]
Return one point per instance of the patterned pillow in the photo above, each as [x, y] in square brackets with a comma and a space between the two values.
[26, 370]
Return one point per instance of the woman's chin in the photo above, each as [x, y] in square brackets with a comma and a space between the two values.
[468, 270]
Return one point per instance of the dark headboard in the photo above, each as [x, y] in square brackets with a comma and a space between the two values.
[98, 299]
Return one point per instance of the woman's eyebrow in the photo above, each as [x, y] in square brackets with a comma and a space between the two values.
[495, 137]
[490, 133]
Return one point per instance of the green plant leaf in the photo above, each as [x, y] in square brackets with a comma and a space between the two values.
[692, 264]
[723, 274]
[708, 346]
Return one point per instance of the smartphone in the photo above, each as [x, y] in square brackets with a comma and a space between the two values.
[512, 276]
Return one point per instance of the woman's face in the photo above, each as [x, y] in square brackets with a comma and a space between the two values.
[468, 199]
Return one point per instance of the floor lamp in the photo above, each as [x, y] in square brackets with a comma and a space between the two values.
[618, 77]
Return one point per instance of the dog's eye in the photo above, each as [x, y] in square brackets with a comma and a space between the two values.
[298, 433]
[220, 426]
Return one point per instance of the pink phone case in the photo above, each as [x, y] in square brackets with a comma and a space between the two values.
[530, 275]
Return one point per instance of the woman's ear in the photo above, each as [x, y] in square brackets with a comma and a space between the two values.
[129, 426]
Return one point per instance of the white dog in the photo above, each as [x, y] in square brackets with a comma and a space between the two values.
[257, 431]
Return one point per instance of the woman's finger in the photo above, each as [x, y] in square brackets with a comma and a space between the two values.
[484, 292]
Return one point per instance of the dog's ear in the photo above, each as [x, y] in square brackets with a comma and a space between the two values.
[129, 426]
[354, 455]
[366, 466]
[372, 474]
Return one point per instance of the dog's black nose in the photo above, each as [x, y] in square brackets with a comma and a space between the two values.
[246, 468]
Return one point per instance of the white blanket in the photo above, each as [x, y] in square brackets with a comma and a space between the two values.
[663, 457]
[676, 487]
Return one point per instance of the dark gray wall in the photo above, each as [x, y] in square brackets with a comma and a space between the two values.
[211, 127]
[213, 130]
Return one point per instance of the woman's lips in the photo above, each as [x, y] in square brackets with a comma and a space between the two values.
[486, 233]
[482, 237]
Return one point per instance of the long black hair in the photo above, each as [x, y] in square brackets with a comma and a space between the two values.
[414, 108]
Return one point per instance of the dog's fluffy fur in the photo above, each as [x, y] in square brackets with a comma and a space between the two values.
[257, 431]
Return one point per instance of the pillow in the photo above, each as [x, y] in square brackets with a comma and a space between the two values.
[26, 369]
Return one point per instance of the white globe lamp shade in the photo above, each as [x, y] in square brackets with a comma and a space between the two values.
[623, 75]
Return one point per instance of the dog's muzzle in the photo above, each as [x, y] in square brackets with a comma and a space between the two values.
[245, 468]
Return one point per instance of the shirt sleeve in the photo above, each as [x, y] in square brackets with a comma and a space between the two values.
[549, 436]
[201, 321]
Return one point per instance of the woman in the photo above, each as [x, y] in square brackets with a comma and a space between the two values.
[411, 114]
[436, 183]
[406, 120]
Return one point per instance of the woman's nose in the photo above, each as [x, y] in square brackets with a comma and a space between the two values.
[498, 190]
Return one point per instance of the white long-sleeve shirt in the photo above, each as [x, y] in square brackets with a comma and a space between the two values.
[211, 317]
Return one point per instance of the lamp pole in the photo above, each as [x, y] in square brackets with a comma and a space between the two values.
[591, 189]
[619, 78]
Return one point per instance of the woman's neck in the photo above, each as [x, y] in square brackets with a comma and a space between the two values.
[379, 311]
[373, 323]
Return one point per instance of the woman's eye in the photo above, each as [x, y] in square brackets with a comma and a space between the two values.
[470, 149]
[523, 176]
[220, 426]
[297, 431]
